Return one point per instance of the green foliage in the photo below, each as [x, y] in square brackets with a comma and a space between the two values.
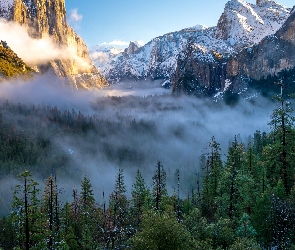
[231, 98]
[245, 228]
[213, 169]
[161, 231]
[159, 185]
[245, 243]
[11, 65]
[141, 198]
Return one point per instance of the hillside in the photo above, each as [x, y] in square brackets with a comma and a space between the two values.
[10, 64]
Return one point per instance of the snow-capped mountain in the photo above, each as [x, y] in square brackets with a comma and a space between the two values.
[101, 54]
[241, 25]
[262, 64]
[158, 58]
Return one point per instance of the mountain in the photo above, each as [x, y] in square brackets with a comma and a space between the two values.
[101, 54]
[275, 54]
[10, 64]
[243, 24]
[272, 56]
[48, 19]
[198, 56]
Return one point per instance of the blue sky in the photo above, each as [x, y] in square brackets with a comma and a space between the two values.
[99, 21]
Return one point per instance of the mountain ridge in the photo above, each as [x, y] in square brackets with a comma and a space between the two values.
[240, 26]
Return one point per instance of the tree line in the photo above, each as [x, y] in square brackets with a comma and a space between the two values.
[246, 201]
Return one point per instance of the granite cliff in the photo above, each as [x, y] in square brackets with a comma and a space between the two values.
[48, 19]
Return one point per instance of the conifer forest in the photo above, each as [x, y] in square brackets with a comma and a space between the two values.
[242, 197]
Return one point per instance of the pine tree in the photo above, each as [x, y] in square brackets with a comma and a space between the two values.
[228, 186]
[29, 222]
[50, 207]
[119, 208]
[279, 154]
[213, 170]
[141, 198]
[245, 228]
[87, 215]
[159, 185]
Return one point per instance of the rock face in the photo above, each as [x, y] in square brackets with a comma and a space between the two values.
[48, 18]
[255, 32]
[201, 59]
[132, 48]
[272, 55]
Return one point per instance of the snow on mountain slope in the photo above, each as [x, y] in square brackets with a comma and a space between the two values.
[101, 54]
[5, 5]
[241, 25]
[158, 58]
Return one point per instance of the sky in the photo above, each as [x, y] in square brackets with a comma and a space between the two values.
[119, 21]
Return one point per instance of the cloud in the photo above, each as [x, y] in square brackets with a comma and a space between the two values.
[30, 50]
[121, 44]
[100, 56]
[35, 51]
[75, 17]
[116, 43]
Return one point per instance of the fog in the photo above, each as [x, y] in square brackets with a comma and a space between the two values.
[35, 51]
[142, 124]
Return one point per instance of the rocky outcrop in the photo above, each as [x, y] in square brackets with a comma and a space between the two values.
[132, 48]
[158, 58]
[48, 19]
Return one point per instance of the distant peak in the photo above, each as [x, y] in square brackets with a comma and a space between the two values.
[262, 2]
[199, 27]
[133, 46]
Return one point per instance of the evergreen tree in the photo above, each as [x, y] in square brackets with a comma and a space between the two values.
[245, 228]
[141, 198]
[28, 221]
[50, 207]
[162, 231]
[213, 170]
[228, 197]
[279, 154]
[87, 218]
[159, 185]
[119, 208]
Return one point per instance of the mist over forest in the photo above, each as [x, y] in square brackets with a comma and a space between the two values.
[129, 126]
